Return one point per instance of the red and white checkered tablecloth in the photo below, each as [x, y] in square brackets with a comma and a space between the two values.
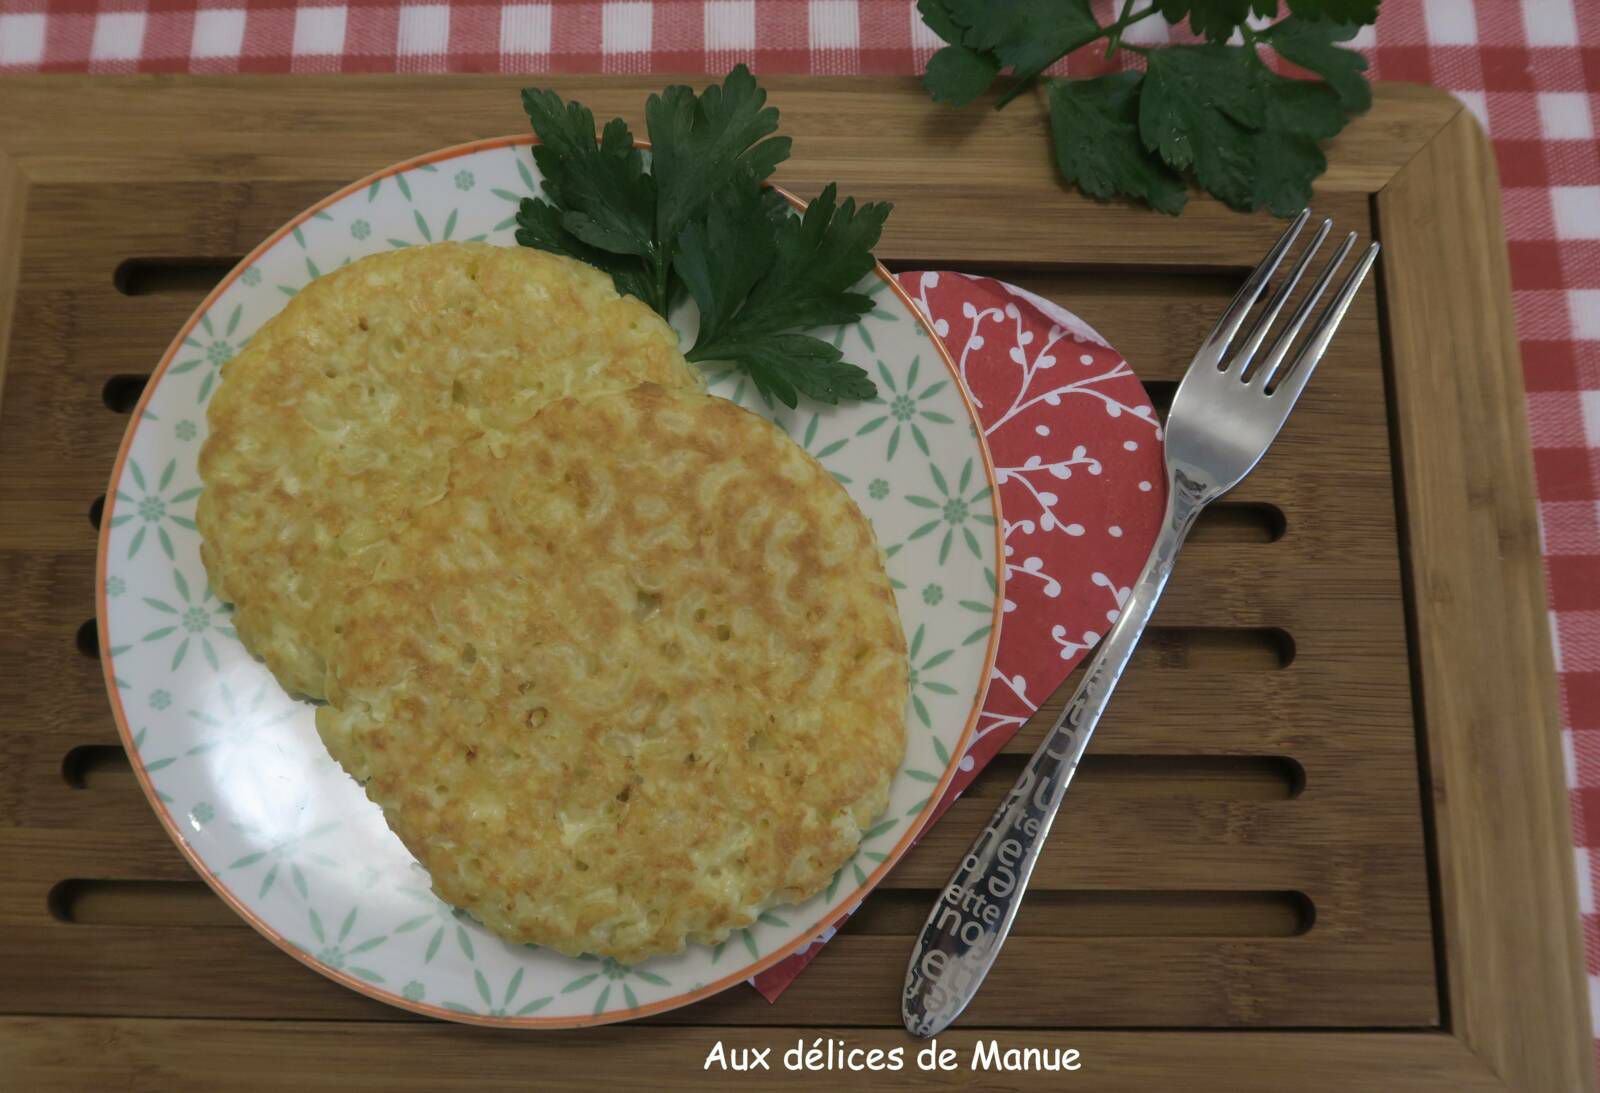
[1529, 69]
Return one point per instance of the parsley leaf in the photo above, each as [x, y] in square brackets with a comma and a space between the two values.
[539, 225]
[1096, 128]
[721, 258]
[696, 217]
[821, 256]
[754, 287]
[1214, 112]
[1314, 47]
[957, 75]
[1026, 36]
[785, 365]
[1250, 136]
[700, 144]
[1197, 111]
[1362, 12]
[599, 201]
[1216, 19]
[939, 17]
[1296, 115]
[627, 216]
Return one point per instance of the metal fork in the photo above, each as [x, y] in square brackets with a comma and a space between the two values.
[1225, 415]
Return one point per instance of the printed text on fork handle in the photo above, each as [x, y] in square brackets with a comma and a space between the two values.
[975, 911]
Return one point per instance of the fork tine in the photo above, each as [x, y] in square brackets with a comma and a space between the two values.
[1241, 360]
[1305, 362]
[1285, 341]
[1216, 343]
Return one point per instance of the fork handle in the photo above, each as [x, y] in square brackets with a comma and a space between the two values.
[973, 914]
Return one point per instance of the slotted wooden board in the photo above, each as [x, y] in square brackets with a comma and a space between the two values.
[1327, 799]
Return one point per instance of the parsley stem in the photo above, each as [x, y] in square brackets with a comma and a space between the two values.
[1112, 32]
[662, 269]
[1250, 41]
[1126, 19]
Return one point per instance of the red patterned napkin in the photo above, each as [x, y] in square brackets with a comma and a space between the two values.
[1077, 454]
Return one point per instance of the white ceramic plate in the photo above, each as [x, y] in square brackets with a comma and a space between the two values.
[234, 767]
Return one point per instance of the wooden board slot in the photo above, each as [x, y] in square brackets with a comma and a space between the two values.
[1240, 522]
[143, 276]
[1069, 913]
[96, 766]
[163, 903]
[1161, 392]
[1094, 280]
[1227, 777]
[97, 509]
[87, 639]
[1138, 777]
[1215, 648]
[1224, 777]
[1090, 913]
[121, 392]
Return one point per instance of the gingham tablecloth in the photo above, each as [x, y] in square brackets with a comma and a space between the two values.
[1529, 70]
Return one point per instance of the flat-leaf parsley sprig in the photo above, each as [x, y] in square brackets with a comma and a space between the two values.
[697, 219]
[1212, 112]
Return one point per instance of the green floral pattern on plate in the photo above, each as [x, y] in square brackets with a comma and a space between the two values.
[910, 409]
[957, 511]
[188, 620]
[208, 349]
[272, 819]
[154, 507]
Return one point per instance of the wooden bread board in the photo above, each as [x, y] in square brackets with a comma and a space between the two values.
[1321, 839]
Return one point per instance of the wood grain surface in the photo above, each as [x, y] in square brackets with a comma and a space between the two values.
[1327, 797]
[1474, 557]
